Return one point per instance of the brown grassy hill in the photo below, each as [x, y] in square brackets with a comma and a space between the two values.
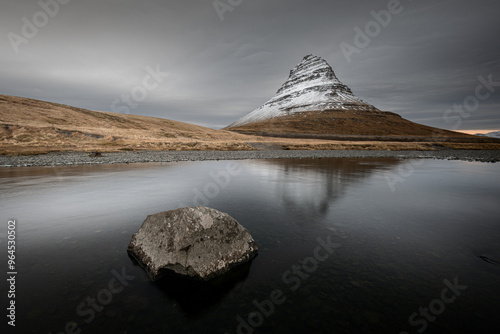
[30, 126]
[33, 126]
[347, 123]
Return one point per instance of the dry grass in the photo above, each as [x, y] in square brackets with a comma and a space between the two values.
[35, 127]
[30, 126]
[471, 146]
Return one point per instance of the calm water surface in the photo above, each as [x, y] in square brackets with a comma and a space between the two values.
[421, 257]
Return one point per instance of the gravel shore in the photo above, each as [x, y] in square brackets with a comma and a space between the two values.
[80, 158]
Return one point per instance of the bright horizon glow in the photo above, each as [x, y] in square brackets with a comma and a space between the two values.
[472, 132]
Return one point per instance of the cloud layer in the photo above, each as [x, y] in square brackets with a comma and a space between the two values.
[420, 62]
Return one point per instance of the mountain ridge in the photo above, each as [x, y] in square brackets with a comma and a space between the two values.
[493, 134]
[313, 101]
[32, 127]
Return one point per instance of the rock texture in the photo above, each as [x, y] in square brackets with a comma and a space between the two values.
[311, 86]
[198, 242]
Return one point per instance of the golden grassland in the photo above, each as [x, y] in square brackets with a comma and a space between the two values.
[30, 126]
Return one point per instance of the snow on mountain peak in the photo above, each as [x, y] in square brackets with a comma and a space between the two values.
[494, 134]
[311, 86]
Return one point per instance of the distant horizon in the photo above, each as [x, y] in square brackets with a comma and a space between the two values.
[473, 132]
[468, 131]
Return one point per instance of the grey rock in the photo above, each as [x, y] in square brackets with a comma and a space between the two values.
[82, 158]
[198, 242]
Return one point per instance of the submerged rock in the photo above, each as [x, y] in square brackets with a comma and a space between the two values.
[198, 242]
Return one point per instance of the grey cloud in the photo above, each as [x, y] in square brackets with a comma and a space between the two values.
[91, 52]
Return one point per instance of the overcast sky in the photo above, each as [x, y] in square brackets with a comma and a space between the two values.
[223, 64]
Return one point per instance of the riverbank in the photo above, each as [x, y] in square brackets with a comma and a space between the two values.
[82, 158]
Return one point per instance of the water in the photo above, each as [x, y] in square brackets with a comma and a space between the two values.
[394, 252]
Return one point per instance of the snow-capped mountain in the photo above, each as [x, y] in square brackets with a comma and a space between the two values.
[311, 86]
[494, 134]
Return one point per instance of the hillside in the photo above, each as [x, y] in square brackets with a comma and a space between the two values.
[29, 126]
[346, 123]
[33, 126]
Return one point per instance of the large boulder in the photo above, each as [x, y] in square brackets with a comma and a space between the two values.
[198, 242]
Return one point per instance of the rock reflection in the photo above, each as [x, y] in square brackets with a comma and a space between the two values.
[195, 296]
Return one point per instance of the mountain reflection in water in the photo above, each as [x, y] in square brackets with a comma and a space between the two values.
[326, 181]
[395, 248]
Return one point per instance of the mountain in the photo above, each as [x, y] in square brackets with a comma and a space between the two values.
[34, 126]
[494, 134]
[311, 86]
[29, 126]
[314, 101]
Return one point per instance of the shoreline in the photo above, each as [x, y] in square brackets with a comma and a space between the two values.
[83, 158]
